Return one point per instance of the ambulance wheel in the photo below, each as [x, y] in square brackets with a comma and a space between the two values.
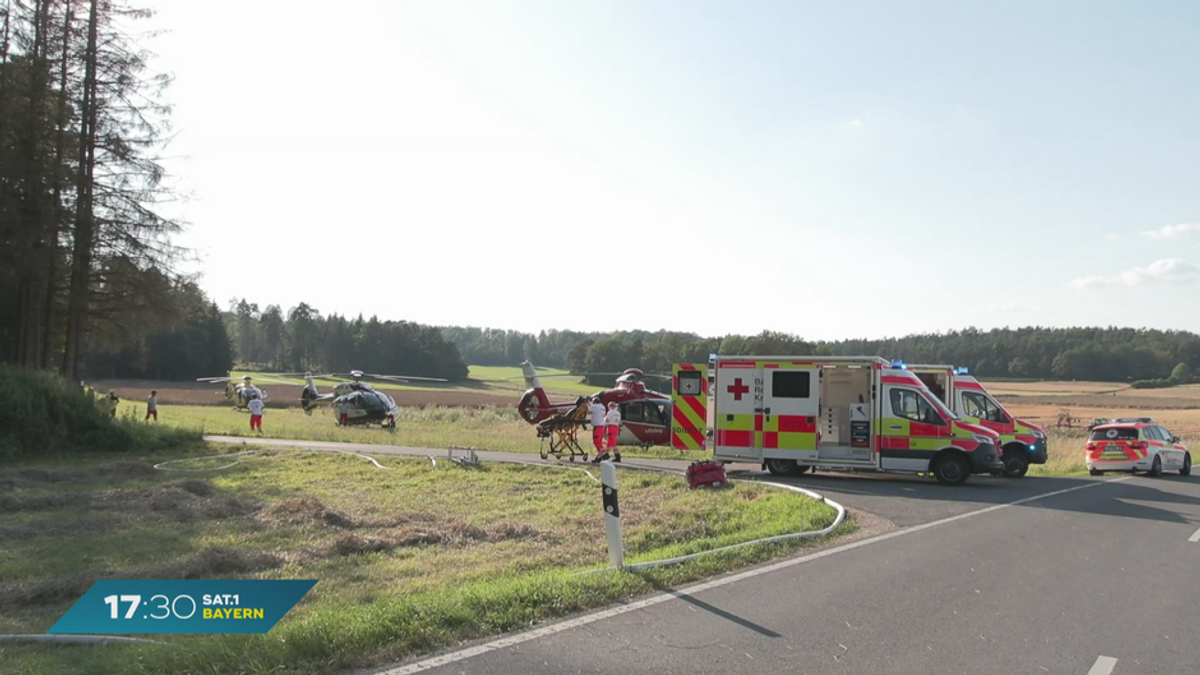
[1016, 463]
[951, 469]
[781, 467]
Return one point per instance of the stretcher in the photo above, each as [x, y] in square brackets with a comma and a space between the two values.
[562, 433]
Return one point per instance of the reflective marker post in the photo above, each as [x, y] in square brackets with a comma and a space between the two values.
[612, 513]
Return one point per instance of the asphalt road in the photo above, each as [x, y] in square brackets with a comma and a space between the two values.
[1081, 576]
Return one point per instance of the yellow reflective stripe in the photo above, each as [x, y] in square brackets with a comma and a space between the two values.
[738, 423]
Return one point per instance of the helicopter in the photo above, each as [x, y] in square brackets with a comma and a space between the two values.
[645, 413]
[356, 402]
[240, 393]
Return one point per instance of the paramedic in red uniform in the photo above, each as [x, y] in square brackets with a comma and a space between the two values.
[612, 426]
[256, 411]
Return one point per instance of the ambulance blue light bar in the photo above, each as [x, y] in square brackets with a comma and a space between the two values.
[897, 363]
[961, 370]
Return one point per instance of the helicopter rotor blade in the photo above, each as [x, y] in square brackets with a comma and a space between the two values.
[406, 378]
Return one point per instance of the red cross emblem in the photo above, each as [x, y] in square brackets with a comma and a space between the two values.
[737, 389]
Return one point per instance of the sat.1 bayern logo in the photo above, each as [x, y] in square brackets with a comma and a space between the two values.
[179, 606]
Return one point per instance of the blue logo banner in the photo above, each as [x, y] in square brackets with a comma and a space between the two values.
[178, 606]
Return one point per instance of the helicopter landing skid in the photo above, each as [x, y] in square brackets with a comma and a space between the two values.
[562, 438]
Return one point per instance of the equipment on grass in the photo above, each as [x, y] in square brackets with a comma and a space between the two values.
[706, 473]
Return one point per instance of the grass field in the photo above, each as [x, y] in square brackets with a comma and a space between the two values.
[410, 559]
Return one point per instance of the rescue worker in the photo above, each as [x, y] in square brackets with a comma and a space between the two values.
[597, 411]
[256, 411]
[612, 426]
[152, 405]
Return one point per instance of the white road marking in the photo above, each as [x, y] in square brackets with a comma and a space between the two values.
[569, 624]
[1195, 536]
[1103, 666]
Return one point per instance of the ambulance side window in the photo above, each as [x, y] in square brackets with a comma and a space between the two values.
[978, 405]
[907, 404]
[974, 405]
[791, 384]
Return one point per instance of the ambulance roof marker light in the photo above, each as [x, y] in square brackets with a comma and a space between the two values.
[897, 363]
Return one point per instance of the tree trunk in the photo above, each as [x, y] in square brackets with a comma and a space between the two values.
[79, 292]
[60, 150]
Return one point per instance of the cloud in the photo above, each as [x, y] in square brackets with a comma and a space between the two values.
[1171, 231]
[856, 123]
[1170, 271]
[1114, 237]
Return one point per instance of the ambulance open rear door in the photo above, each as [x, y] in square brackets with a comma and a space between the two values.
[689, 406]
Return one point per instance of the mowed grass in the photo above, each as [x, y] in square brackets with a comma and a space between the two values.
[439, 427]
[410, 559]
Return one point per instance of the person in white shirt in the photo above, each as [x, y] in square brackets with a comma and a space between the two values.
[256, 411]
[596, 409]
[152, 406]
[612, 427]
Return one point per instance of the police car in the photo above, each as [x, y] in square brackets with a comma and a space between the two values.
[1136, 444]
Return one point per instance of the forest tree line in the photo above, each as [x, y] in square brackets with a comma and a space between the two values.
[1100, 354]
[86, 259]
[302, 339]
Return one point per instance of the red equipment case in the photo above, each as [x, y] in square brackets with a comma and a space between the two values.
[708, 473]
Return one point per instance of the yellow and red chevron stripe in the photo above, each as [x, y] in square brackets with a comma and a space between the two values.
[689, 412]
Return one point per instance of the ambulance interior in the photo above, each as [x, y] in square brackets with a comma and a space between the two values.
[846, 410]
[937, 383]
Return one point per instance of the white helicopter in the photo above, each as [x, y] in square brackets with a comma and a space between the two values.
[240, 393]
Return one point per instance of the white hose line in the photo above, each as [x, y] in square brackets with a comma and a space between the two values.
[837, 521]
[161, 466]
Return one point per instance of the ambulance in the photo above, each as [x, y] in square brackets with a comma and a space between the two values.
[1022, 443]
[794, 413]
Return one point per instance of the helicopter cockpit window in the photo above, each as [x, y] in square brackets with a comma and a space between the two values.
[655, 414]
[633, 413]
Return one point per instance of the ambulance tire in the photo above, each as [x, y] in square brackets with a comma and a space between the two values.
[951, 468]
[1016, 462]
[782, 467]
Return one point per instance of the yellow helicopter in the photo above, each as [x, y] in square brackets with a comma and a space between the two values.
[240, 393]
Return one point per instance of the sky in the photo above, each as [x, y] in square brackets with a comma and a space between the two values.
[828, 169]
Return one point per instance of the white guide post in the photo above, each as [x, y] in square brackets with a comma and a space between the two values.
[612, 514]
